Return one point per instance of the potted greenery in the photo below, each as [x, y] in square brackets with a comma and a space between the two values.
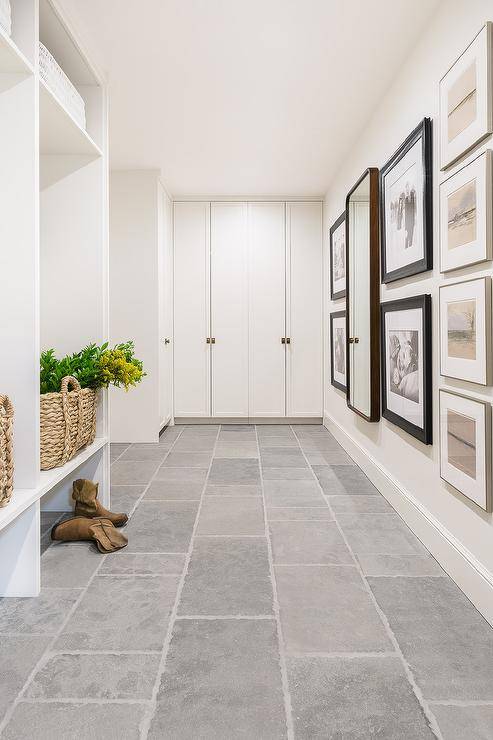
[69, 391]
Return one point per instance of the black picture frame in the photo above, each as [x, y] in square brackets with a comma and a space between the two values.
[423, 303]
[335, 383]
[335, 295]
[424, 132]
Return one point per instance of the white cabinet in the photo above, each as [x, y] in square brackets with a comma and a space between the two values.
[192, 360]
[248, 310]
[141, 300]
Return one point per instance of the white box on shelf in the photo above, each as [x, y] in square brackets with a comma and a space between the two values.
[60, 85]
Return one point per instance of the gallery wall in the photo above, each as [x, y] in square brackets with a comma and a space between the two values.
[407, 471]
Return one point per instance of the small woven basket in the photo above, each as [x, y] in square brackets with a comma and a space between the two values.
[68, 422]
[6, 450]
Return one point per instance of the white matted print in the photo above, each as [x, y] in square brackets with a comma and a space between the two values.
[464, 330]
[465, 446]
[404, 354]
[466, 114]
[338, 349]
[466, 215]
[338, 258]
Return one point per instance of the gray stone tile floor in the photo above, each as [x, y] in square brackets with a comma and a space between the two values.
[268, 591]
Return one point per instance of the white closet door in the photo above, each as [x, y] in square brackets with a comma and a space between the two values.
[304, 309]
[191, 301]
[167, 338]
[267, 310]
[229, 309]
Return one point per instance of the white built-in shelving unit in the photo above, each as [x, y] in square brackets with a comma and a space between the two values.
[53, 264]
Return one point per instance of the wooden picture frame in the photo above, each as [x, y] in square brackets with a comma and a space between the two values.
[407, 365]
[337, 241]
[406, 207]
[339, 345]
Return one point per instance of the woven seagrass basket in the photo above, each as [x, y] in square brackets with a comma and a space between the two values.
[6, 450]
[68, 422]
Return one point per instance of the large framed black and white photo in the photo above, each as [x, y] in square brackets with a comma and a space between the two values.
[465, 446]
[338, 350]
[338, 258]
[406, 203]
[406, 365]
[466, 99]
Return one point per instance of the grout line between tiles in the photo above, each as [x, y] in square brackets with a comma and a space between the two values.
[461, 703]
[42, 660]
[277, 613]
[83, 700]
[350, 656]
[219, 617]
[104, 652]
[410, 676]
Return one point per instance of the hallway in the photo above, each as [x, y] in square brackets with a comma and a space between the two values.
[284, 599]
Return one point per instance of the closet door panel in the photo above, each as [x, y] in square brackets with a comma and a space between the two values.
[192, 395]
[267, 309]
[167, 381]
[304, 309]
[229, 309]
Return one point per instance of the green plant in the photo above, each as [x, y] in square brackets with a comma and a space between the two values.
[94, 367]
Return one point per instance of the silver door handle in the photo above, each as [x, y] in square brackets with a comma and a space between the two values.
[167, 341]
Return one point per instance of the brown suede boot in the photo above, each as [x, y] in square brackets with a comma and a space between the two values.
[80, 528]
[85, 495]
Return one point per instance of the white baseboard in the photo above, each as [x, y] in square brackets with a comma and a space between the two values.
[461, 565]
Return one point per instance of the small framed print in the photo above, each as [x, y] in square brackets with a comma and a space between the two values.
[466, 215]
[465, 327]
[406, 365]
[338, 258]
[465, 446]
[466, 108]
[406, 207]
[338, 350]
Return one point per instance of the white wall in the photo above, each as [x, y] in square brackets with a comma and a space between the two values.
[458, 533]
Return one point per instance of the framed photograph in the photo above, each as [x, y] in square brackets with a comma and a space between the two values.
[406, 365]
[466, 109]
[465, 310]
[338, 258]
[406, 207]
[466, 215]
[338, 350]
[465, 446]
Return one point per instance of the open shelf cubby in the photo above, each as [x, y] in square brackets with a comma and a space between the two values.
[54, 257]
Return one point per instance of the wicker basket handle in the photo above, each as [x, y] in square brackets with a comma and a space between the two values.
[68, 381]
[6, 407]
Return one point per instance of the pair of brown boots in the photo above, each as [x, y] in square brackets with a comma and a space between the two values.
[92, 522]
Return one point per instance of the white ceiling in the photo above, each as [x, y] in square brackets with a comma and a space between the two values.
[257, 97]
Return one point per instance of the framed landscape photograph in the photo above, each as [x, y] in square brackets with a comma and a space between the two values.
[406, 365]
[465, 327]
[338, 258]
[466, 215]
[338, 350]
[406, 207]
[465, 446]
[466, 108]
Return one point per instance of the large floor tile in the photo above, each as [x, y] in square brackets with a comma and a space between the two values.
[274, 430]
[384, 533]
[277, 457]
[69, 564]
[233, 690]
[383, 564]
[247, 435]
[302, 542]
[138, 564]
[161, 526]
[230, 472]
[170, 434]
[197, 443]
[48, 519]
[329, 482]
[118, 448]
[286, 441]
[354, 698]
[329, 457]
[124, 498]
[227, 577]
[61, 720]
[354, 480]
[447, 643]
[291, 514]
[231, 516]
[43, 615]
[18, 656]
[326, 609]
[132, 472]
[182, 475]
[235, 490]
[160, 490]
[288, 493]
[143, 452]
[95, 677]
[119, 613]
[464, 723]
[188, 460]
[236, 449]
[287, 474]
[360, 504]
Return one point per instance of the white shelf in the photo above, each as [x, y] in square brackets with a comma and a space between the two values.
[48, 479]
[12, 60]
[59, 132]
